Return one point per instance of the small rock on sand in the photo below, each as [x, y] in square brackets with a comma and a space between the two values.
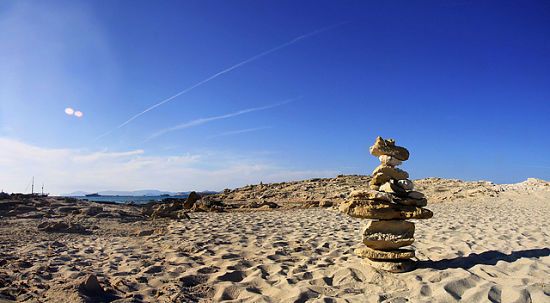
[90, 286]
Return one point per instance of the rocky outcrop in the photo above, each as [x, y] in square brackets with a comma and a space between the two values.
[191, 200]
[309, 193]
[306, 193]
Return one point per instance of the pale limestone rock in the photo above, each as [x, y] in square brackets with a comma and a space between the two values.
[389, 161]
[394, 266]
[388, 148]
[370, 195]
[345, 207]
[384, 210]
[379, 179]
[394, 254]
[392, 172]
[388, 234]
[374, 187]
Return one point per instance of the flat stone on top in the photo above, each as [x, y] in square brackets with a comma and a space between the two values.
[388, 148]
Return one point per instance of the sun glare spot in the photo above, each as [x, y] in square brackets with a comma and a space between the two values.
[78, 114]
[69, 111]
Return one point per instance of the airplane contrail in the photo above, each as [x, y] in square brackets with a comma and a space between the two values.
[238, 132]
[200, 121]
[253, 58]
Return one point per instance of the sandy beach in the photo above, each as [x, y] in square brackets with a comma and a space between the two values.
[481, 249]
[274, 151]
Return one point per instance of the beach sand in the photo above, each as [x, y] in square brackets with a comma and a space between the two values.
[487, 249]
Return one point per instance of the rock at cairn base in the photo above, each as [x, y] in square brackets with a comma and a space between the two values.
[389, 202]
[394, 266]
[394, 254]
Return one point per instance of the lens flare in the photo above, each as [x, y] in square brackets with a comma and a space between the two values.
[78, 114]
[69, 111]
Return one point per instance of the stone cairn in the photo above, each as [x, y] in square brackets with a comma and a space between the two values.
[389, 202]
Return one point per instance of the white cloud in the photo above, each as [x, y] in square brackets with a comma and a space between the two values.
[67, 170]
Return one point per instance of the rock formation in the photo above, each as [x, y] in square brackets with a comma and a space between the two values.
[389, 202]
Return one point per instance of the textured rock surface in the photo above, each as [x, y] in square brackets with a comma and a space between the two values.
[388, 234]
[416, 195]
[397, 266]
[371, 195]
[389, 161]
[392, 172]
[384, 211]
[191, 200]
[379, 179]
[411, 202]
[390, 187]
[394, 254]
[388, 148]
[337, 189]
[405, 184]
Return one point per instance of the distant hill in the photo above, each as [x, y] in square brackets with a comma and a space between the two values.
[144, 192]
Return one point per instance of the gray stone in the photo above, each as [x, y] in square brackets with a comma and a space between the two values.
[390, 187]
[412, 202]
[416, 195]
[405, 184]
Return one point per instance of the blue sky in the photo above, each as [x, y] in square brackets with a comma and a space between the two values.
[465, 85]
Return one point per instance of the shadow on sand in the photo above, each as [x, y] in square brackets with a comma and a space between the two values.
[485, 258]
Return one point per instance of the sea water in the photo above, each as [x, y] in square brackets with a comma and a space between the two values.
[128, 199]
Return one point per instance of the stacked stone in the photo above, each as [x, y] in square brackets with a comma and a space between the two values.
[389, 203]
